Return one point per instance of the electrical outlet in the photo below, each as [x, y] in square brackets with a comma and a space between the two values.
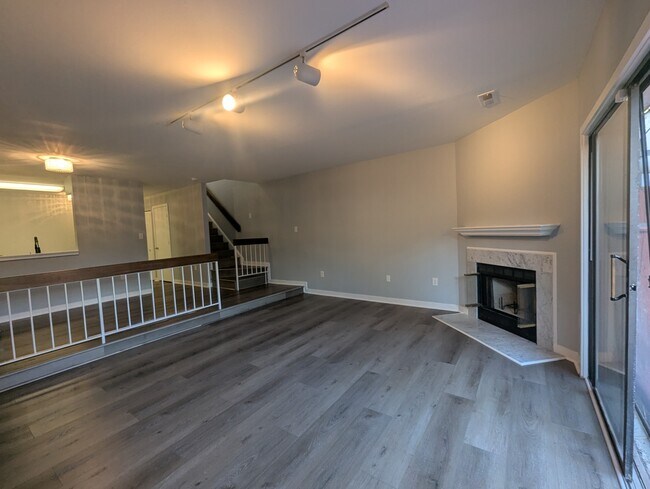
[250, 215]
[295, 229]
[434, 281]
[322, 274]
[140, 235]
[387, 278]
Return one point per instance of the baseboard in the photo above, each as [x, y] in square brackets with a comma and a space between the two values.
[369, 298]
[572, 356]
[385, 300]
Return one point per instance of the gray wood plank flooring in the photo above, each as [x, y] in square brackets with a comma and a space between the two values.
[311, 392]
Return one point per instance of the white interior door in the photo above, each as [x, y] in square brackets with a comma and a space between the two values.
[161, 235]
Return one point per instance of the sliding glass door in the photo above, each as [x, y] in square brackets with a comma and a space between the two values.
[610, 259]
[619, 257]
[618, 216]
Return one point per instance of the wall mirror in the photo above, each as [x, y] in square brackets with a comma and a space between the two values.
[36, 218]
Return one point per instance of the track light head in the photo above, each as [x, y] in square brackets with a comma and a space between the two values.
[231, 103]
[191, 125]
[305, 73]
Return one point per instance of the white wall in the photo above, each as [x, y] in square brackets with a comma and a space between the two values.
[525, 169]
[363, 221]
[24, 215]
[108, 216]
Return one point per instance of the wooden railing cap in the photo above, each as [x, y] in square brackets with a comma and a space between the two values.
[76, 275]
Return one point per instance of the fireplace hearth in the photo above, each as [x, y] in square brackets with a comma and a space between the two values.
[507, 298]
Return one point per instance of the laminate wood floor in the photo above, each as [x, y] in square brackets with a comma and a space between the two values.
[311, 392]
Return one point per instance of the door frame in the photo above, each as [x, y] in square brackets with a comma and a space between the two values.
[148, 222]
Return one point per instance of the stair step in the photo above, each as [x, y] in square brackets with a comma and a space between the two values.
[227, 272]
[244, 282]
[224, 254]
[226, 263]
[218, 246]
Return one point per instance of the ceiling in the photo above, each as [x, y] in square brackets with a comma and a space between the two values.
[100, 80]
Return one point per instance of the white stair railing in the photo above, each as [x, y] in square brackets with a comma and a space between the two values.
[47, 312]
[252, 258]
[251, 255]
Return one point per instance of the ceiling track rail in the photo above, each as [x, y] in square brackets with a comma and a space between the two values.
[310, 47]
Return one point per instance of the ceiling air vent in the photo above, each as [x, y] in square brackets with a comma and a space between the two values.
[488, 99]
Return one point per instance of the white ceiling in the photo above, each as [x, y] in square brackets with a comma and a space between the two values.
[99, 80]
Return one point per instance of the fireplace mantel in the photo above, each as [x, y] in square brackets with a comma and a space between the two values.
[525, 230]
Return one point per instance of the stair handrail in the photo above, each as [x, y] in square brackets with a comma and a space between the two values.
[229, 217]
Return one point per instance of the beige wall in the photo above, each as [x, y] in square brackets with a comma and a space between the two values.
[525, 169]
[618, 23]
[108, 216]
[363, 221]
[187, 218]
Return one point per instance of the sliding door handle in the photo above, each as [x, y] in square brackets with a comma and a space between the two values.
[612, 273]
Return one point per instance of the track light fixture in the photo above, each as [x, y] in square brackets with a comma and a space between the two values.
[305, 73]
[301, 70]
[191, 124]
[231, 103]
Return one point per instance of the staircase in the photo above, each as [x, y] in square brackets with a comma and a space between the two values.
[227, 271]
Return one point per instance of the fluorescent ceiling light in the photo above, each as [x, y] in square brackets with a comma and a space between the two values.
[58, 164]
[36, 187]
[231, 103]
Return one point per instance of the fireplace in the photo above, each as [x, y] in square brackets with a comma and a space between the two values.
[544, 294]
[507, 298]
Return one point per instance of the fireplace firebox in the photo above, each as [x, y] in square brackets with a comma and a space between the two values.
[507, 298]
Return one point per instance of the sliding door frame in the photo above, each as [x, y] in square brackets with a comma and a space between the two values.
[636, 144]
[625, 452]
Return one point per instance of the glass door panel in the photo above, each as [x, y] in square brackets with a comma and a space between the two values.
[610, 227]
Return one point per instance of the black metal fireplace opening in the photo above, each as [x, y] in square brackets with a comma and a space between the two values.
[507, 299]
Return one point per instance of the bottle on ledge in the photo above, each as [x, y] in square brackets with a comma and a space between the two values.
[37, 247]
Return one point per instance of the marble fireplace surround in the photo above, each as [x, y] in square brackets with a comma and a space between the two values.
[544, 264]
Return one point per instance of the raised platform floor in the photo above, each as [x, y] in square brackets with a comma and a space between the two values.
[233, 303]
